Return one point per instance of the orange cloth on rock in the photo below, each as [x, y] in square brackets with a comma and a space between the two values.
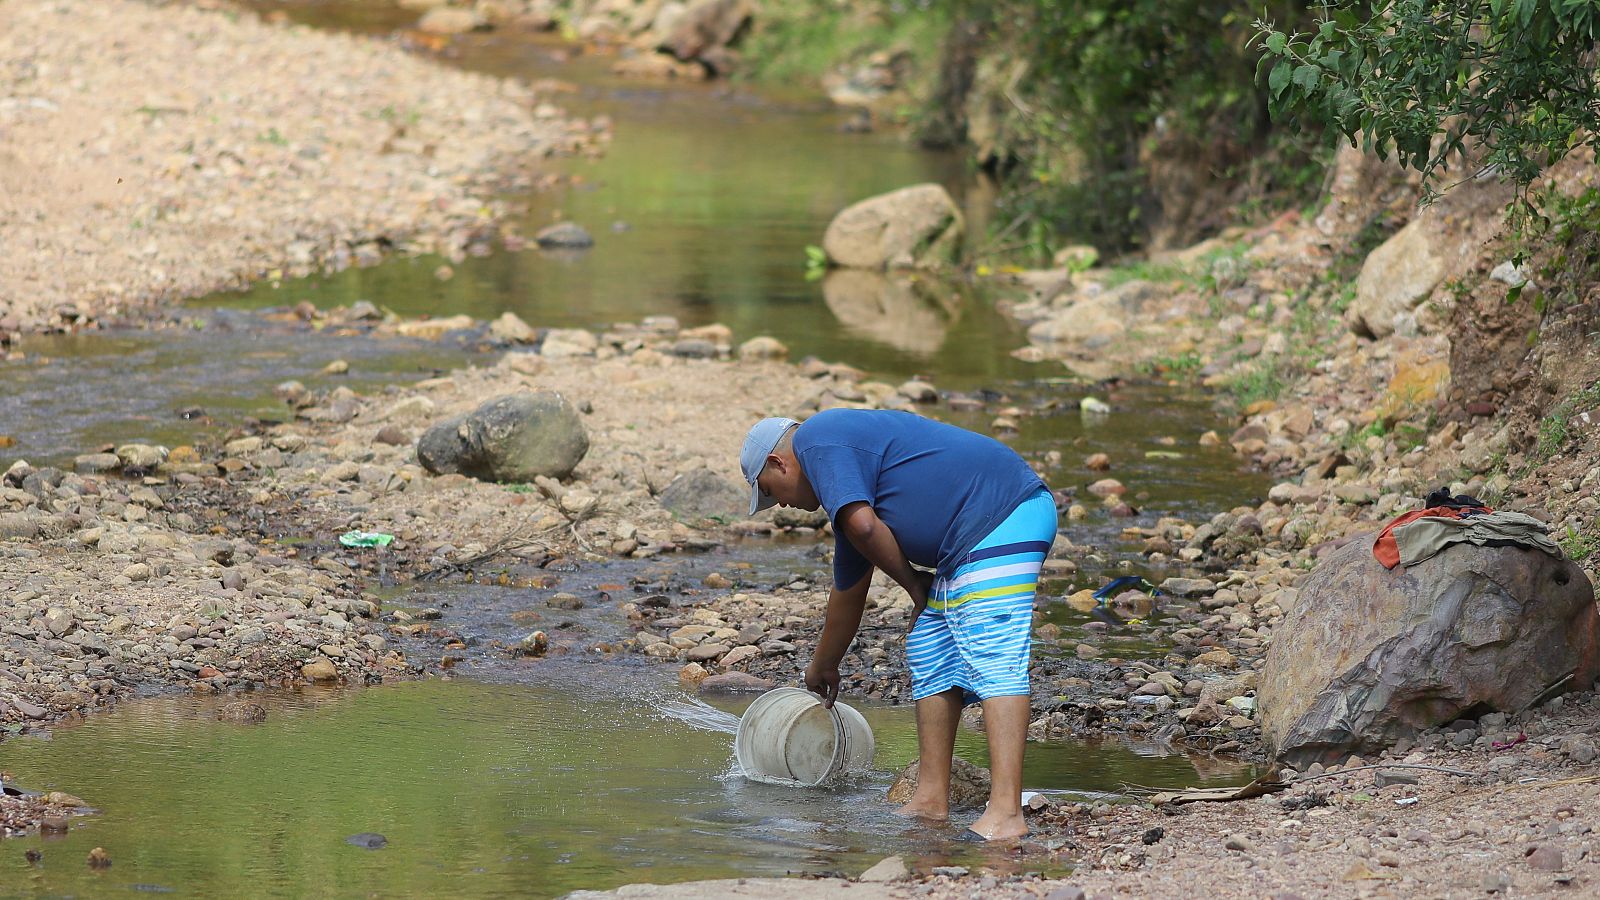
[1387, 550]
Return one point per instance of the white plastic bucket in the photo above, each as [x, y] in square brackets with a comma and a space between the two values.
[787, 737]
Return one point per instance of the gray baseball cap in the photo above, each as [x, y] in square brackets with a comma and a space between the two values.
[758, 444]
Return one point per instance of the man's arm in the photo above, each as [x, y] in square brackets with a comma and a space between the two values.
[839, 627]
[867, 533]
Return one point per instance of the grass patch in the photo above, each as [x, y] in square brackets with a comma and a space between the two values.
[1554, 430]
[1579, 546]
[1262, 381]
[800, 40]
[1181, 364]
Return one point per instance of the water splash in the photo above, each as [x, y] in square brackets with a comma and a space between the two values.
[697, 714]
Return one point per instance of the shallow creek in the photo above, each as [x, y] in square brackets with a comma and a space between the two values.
[531, 779]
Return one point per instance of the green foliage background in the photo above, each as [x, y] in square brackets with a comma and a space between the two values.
[1102, 84]
[1507, 86]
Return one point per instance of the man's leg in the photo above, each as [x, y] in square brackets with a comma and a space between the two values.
[937, 718]
[1005, 719]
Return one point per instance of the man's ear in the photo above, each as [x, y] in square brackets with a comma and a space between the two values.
[774, 459]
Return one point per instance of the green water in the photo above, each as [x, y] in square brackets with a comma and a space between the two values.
[715, 192]
[480, 789]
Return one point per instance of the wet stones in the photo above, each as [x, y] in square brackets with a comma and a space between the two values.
[515, 438]
[734, 683]
[706, 652]
[320, 670]
[1107, 487]
[535, 644]
[969, 784]
[888, 869]
[692, 675]
[564, 600]
[242, 712]
[565, 236]
[1188, 587]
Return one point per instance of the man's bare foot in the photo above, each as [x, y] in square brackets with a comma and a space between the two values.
[918, 809]
[1001, 827]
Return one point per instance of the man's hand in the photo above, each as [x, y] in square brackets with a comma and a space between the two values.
[919, 599]
[824, 682]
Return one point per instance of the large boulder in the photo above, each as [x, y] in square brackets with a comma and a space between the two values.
[1441, 243]
[705, 32]
[917, 226]
[894, 310]
[969, 784]
[1370, 654]
[514, 439]
[701, 494]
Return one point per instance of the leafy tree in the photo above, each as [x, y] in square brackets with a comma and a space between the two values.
[1428, 81]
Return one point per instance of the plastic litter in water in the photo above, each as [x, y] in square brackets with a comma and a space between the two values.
[366, 539]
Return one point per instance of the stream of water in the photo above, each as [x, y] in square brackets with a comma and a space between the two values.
[532, 779]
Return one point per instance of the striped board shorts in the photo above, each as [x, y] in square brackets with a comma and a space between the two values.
[977, 631]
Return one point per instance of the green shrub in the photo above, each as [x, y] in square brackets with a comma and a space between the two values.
[1426, 80]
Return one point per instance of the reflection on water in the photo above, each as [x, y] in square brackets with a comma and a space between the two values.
[489, 790]
[701, 208]
[902, 311]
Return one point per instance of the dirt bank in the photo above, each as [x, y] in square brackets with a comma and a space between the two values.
[149, 153]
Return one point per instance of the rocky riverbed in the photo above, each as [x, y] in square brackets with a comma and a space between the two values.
[216, 567]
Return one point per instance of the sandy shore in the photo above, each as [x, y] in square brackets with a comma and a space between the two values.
[156, 152]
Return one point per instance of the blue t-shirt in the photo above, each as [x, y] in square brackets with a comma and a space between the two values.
[939, 488]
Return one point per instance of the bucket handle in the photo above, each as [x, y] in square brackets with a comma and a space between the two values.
[841, 750]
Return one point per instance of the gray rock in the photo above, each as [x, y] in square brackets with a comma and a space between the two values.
[1580, 748]
[90, 463]
[515, 438]
[18, 525]
[1369, 653]
[58, 621]
[1066, 893]
[702, 494]
[28, 709]
[969, 784]
[566, 235]
[1188, 587]
[705, 652]
[914, 226]
[1546, 859]
[695, 348]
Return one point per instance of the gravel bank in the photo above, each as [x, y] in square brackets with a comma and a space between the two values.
[149, 153]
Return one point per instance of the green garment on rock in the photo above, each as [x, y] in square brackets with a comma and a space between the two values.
[1424, 537]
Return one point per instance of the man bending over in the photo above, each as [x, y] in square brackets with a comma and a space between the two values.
[905, 492]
